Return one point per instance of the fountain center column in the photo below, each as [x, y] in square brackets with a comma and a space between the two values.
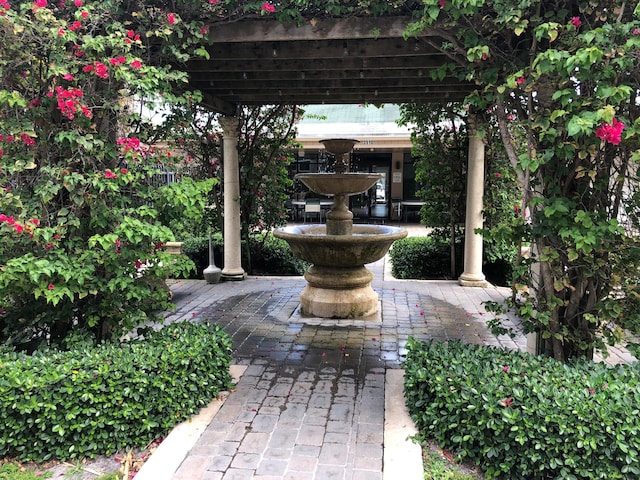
[340, 218]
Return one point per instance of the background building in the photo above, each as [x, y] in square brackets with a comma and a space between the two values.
[384, 147]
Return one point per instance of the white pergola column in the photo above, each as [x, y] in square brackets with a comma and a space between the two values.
[472, 275]
[232, 269]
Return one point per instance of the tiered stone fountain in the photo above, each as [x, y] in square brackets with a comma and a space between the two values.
[338, 283]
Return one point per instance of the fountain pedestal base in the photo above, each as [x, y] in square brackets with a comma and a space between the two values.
[335, 292]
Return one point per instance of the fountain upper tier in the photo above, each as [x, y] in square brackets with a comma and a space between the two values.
[350, 183]
[339, 146]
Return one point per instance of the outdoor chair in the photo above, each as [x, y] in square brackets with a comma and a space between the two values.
[312, 208]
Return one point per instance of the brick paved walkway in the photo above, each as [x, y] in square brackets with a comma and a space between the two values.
[311, 403]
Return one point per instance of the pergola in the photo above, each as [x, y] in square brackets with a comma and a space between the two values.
[335, 61]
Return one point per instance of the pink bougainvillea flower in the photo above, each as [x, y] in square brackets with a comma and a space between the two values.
[171, 18]
[78, 3]
[505, 368]
[576, 21]
[214, 2]
[18, 228]
[40, 3]
[136, 64]
[4, 4]
[75, 26]
[611, 133]
[268, 8]
[51, 286]
[60, 32]
[204, 29]
[129, 143]
[101, 70]
[442, 3]
[636, 31]
[88, 68]
[498, 174]
[124, 171]
[85, 14]
[521, 81]
[109, 174]
[68, 77]
[27, 140]
[49, 246]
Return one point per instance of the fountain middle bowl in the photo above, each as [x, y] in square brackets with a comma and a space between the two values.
[367, 244]
[350, 183]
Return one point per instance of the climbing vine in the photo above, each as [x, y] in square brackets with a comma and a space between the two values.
[562, 80]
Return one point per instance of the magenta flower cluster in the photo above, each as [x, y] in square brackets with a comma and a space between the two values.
[610, 133]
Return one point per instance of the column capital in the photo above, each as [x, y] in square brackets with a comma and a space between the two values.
[229, 126]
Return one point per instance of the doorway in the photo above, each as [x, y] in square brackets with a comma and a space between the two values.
[374, 204]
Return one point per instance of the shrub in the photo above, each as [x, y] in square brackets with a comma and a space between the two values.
[98, 400]
[197, 249]
[269, 255]
[420, 258]
[273, 256]
[525, 417]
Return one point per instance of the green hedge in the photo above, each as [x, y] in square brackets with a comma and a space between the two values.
[269, 255]
[429, 258]
[197, 249]
[98, 400]
[421, 258]
[525, 417]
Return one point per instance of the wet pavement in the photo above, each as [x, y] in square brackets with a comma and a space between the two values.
[319, 398]
[311, 402]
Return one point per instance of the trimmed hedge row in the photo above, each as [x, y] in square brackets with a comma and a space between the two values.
[269, 256]
[525, 417]
[423, 258]
[98, 400]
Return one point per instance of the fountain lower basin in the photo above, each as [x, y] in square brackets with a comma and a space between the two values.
[338, 283]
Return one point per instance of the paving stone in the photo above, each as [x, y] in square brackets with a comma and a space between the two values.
[283, 437]
[272, 467]
[303, 464]
[264, 423]
[330, 472]
[254, 442]
[245, 461]
[333, 454]
[238, 474]
[310, 435]
[220, 463]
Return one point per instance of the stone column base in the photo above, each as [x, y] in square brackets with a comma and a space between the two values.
[235, 274]
[473, 280]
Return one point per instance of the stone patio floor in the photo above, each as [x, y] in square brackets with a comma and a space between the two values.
[311, 400]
